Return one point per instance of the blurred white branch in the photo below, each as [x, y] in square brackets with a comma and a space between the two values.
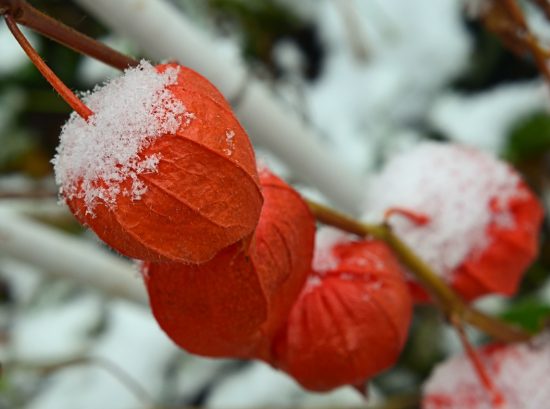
[163, 32]
[66, 256]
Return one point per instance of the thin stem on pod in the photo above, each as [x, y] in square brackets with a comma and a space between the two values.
[497, 399]
[24, 14]
[76, 104]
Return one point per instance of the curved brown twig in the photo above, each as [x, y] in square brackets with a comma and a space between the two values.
[25, 14]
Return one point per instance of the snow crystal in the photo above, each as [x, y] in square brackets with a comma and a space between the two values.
[521, 372]
[325, 239]
[312, 282]
[455, 187]
[96, 156]
[229, 136]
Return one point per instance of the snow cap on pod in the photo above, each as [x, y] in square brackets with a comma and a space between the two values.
[480, 227]
[162, 171]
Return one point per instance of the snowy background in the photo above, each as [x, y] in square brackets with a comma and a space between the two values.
[367, 78]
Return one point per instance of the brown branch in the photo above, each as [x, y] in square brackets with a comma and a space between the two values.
[23, 13]
[544, 5]
[449, 301]
[117, 372]
[32, 194]
[506, 19]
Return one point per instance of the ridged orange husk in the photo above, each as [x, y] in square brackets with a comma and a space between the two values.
[350, 323]
[282, 252]
[232, 304]
[501, 265]
[205, 194]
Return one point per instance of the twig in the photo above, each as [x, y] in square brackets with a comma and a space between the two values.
[23, 13]
[352, 25]
[497, 399]
[117, 372]
[450, 302]
[544, 5]
[70, 98]
[34, 194]
[506, 19]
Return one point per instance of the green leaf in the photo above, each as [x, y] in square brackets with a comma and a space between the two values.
[529, 138]
[529, 313]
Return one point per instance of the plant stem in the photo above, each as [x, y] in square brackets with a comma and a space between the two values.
[23, 13]
[497, 399]
[524, 33]
[449, 301]
[71, 99]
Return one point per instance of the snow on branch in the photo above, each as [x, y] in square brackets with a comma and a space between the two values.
[65, 256]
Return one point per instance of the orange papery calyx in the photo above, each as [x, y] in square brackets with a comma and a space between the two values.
[162, 171]
[232, 305]
[351, 320]
[518, 373]
[464, 212]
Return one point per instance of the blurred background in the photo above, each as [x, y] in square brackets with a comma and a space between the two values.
[369, 78]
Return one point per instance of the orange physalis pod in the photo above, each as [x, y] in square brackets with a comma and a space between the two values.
[230, 305]
[482, 221]
[350, 322]
[162, 171]
[282, 252]
[212, 309]
[519, 372]
[500, 266]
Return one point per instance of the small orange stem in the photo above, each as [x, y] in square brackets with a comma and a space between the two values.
[76, 104]
[418, 218]
[497, 399]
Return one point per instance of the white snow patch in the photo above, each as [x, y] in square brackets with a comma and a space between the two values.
[325, 239]
[135, 344]
[520, 372]
[259, 386]
[229, 136]
[412, 55]
[312, 282]
[454, 186]
[484, 120]
[24, 279]
[196, 373]
[95, 157]
[53, 334]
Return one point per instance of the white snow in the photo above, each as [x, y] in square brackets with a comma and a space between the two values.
[229, 136]
[94, 157]
[520, 372]
[453, 186]
[259, 386]
[325, 239]
[135, 344]
[415, 48]
[53, 334]
[484, 119]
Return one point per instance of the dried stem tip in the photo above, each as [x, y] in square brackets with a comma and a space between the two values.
[69, 97]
